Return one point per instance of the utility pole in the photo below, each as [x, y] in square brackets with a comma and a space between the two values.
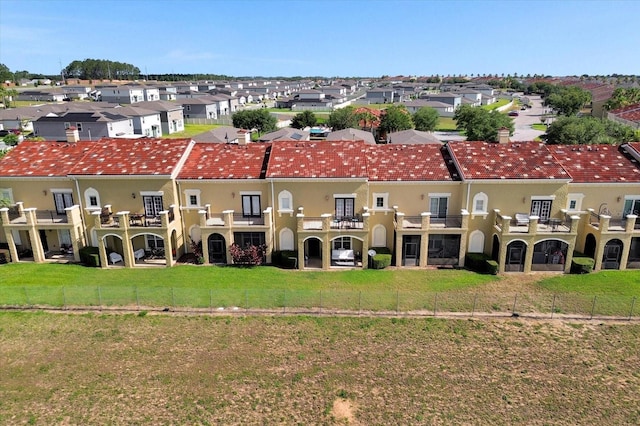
[62, 72]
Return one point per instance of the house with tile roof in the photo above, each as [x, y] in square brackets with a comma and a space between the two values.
[629, 115]
[327, 203]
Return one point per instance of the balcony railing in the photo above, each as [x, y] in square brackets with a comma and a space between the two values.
[347, 222]
[312, 223]
[409, 222]
[51, 216]
[241, 220]
[449, 221]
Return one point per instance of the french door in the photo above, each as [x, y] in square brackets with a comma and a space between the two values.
[345, 208]
[152, 205]
[62, 200]
[251, 206]
[542, 209]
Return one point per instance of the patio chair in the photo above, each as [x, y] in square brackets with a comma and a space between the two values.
[115, 257]
[522, 219]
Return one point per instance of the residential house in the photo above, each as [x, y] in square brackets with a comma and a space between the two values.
[352, 135]
[122, 94]
[225, 134]
[453, 99]
[41, 96]
[380, 95]
[444, 109]
[88, 125]
[412, 137]
[204, 107]
[77, 92]
[171, 115]
[629, 115]
[145, 121]
[286, 133]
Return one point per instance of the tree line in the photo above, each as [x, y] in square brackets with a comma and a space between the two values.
[98, 69]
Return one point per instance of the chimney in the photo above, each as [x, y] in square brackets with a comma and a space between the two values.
[72, 135]
[503, 135]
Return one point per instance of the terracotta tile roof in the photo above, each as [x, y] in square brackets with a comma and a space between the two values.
[596, 163]
[225, 161]
[42, 159]
[131, 157]
[627, 108]
[407, 163]
[513, 160]
[629, 113]
[323, 159]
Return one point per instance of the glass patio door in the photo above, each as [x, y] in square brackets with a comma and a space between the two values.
[542, 209]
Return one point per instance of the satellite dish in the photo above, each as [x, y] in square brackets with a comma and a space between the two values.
[372, 252]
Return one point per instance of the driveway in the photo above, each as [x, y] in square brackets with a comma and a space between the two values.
[523, 122]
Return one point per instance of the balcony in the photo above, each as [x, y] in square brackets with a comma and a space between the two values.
[330, 222]
[18, 215]
[525, 224]
[106, 219]
[231, 219]
[427, 221]
[606, 223]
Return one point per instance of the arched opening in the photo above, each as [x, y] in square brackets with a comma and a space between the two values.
[590, 246]
[217, 249]
[379, 236]
[148, 249]
[495, 248]
[115, 250]
[549, 255]
[612, 254]
[313, 253]
[286, 239]
[346, 251]
[634, 254]
[516, 252]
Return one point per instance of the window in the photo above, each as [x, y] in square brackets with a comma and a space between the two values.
[379, 236]
[286, 239]
[91, 198]
[154, 242]
[631, 206]
[62, 200]
[251, 205]
[480, 203]
[542, 209]
[285, 201]
[244, 239]
[193, 200]
[79, 126]
[188, 107]
[345, 208]
[342, 243]
[152, 205]
[192, 197]
[380, 200]
[67, 125]
[574, 202]
[6, 197]
[438, 205]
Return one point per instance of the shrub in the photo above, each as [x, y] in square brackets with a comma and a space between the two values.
[250, 255]
[382, 259]
[285, 258]
[89, 256]
[581, 264]
[480, 262]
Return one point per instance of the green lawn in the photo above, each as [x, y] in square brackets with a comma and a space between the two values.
[446, 124]
[495, 105]
[191, 130]
[539, 126]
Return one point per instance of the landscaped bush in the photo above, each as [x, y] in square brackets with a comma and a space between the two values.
[90, 256]
[382, 259]
[249, 255]
[581, 264]
[482, 263]
[285, 258]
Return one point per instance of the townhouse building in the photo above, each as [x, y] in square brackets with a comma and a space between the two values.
[527, 205]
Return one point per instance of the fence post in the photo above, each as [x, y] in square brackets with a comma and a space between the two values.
[435, 305]
[359, 302]
[284, 301]
[64, 298]
[320, 301]
[211, 300]
[26, 295]
[633, 302]
[173, 298]
[593, 307]
[397, 302]
[137, 298]
[553, 306]
[246, 300]
[515, 300]
[99, 298]
[475, 300]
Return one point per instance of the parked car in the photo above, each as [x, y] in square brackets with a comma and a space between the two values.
[4, 133]
[513, 113]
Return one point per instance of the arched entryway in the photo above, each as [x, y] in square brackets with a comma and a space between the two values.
[346, 250]
[217, 249]
[114, 249]
[612, 254]
[516, 252]
[549, 255]
[313, 253]
[149, 249]
[590, 246]
[495, 248]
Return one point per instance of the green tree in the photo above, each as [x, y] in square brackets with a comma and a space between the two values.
[569, 100]
[622, 97]
[395, 118]
[11, 139]
[5, 74]
[258, 119]
[304, 119]
[587, 130]
[343, 118]
[7, 94]
[480, 124]
[426, 119]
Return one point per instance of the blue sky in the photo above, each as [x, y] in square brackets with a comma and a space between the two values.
[326, 38]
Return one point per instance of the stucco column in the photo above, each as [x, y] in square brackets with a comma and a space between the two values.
[205, 246]
[102, 252]
[398, 248]
[326, 251]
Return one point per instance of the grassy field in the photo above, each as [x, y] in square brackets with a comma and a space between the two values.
[539, 126]
[446, 124]
[608, 293]
[496, 105]
[191, 130]
[149, 369]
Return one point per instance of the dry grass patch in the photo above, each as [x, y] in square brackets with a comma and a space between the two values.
[127, 369]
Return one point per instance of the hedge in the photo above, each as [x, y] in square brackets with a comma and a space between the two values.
[90, 256]
[382, 259]
[482, 263]
[285, 258]
[581, 264]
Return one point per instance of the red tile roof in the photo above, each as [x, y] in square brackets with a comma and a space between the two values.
[41, 159]
[513, 160]
[104, 157]
[118, 157]
[596, 163]
[323, 159]
[225, 161]
[407, 163]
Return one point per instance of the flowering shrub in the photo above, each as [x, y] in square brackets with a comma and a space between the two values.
[249, 255]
